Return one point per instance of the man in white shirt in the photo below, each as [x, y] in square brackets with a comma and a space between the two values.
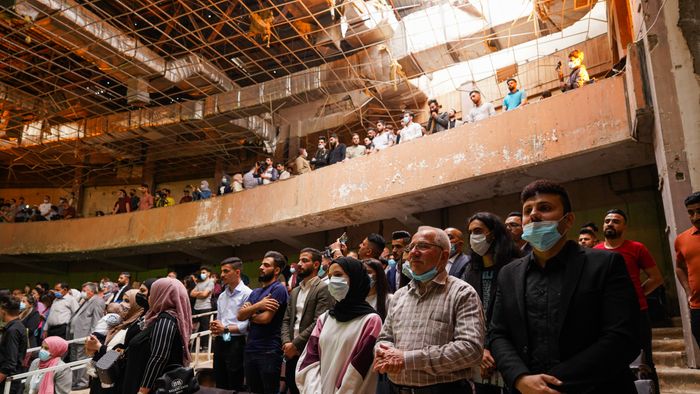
[62, 310]
[229, 332]
[383, 139]
[306, 303]
[45, 207]
[481, 110]
[412, 130]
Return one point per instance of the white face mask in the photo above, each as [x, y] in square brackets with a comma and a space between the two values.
[338, 287]
[406, 119]
[479, 244]
[321, 146]
[572, 64]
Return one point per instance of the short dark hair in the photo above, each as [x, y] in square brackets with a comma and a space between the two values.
[511, 79]
[278, 258]
[322, 138]
[474, 91]
[144, 185]
[381, 121]
[591, 225]
[315, 253]
[334, 135]
[127, 274]
[10, 304]
[205, 268]
[370, 128]
[407, 112]
[401, 234]
[234, 262]
[692, 199]
[433, 101]
[587, 231]
[64, 285]
[515, 213]
[617, 211]
[355, 134]
[378, 242]
[543, 186]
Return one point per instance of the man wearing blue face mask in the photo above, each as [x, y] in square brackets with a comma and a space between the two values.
[434, 330]
[458, 261]
[62, 310]
[202, 293]
[411, 129]
[565, 318]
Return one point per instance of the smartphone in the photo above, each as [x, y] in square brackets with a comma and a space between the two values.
[343, 238]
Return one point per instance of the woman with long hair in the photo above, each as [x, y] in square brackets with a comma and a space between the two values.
[492, 248]
[123, 204]
[339, 354]
[379, 296]
[31, 318]
[164, 339]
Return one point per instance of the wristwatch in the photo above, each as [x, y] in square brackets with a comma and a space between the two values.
[226, 331]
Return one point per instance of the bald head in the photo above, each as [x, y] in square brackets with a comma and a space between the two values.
[456, 240]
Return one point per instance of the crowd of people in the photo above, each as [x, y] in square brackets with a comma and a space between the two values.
[329, 151]
[506, 305]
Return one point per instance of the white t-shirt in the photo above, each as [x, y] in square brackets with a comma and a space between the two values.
[45, 208]
[480, 113]
[204, 303]
[382, 141]
[410, 132]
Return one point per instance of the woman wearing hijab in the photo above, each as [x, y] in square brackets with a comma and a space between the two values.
[52, 382]
[492, 248]
[202, 192]
[339, 354]
[164, 339]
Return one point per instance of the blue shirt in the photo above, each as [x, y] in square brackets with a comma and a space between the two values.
[513, 100]
[267, 337]
[229, 303]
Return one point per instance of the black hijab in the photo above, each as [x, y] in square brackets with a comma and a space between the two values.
[354, 303]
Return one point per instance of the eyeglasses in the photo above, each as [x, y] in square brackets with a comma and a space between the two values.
[422, 246]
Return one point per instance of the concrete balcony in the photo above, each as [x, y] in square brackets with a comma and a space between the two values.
[576, 135]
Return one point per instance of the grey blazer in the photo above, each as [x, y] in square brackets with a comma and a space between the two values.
[87, 316]
[317, 301]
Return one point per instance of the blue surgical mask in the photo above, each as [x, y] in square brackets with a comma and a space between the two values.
[44, 355]
[226, 337]
[22, 306]
[338, 287]
[372, 281]
[426, 276]
[203, 276]
[453, 249]
[406, 119]
[542, 235]
[58, 294]
[392, 263]
[321, 272]
[406, 270]
[292, 270]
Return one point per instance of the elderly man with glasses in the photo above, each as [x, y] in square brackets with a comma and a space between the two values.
[434, 331]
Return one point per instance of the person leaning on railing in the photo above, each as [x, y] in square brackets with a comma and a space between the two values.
[52, 382]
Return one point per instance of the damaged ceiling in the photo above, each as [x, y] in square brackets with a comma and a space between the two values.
[99, 88]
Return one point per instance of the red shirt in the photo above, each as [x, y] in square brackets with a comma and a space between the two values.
[637, 258]
[687, 247]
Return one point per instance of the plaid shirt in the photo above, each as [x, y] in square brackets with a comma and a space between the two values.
[440, 331]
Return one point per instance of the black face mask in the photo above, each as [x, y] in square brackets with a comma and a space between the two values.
[142, 301]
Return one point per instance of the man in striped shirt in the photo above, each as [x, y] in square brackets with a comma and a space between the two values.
[434, 331]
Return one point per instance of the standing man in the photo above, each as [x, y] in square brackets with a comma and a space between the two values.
[587, 238]
[515, 97]
[202, 295]
[134, 200]
[383, 138]
[301, 164]
[458, 261]
[687, 248]
[411, 130]
[146, 202]
[637, 258]
[434, 331]
[82, 325]
[306, 303]
[514, 224]
[337, 151]
[124, 282]
[438, 121]
[356, 150]
[265, 310]
[399, 242]
[229, 341]
[578, 75]
[321, 158]
[13, 343]
[481, 110]
[62, 310]
[452, 118]
[370, 248]
[565, 318]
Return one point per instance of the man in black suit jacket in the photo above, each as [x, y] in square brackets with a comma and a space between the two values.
[458, 260]
[124, 282]
[565, 318]
[298, 322]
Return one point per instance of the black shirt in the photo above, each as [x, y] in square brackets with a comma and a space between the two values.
[320, 159]
[13, 346]
[543, 287]
[336, 154]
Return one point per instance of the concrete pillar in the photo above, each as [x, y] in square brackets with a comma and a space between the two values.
[77, 189]
[675, 97]
[219, 170]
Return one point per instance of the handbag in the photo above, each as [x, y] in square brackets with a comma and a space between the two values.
[176, 380]
[108, 368]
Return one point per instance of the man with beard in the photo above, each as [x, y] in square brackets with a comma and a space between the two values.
[514, 224]
[515, 97]
[438, 121]
[383, 138]
[586, 238]
[356, 150]
[306, 303]
[481, 110]
[124, 282]
[337, 152]
[687, 248]
[637, 258]
[458, 261]
[265, 310]
[321, 157]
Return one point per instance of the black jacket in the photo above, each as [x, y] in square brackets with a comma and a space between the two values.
[12, 349]
[337, 154]
[598, 333]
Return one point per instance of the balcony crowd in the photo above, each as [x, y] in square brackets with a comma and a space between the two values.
[502, 305]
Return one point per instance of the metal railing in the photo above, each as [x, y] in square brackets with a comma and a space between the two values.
[82, 363]
[76, 340]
